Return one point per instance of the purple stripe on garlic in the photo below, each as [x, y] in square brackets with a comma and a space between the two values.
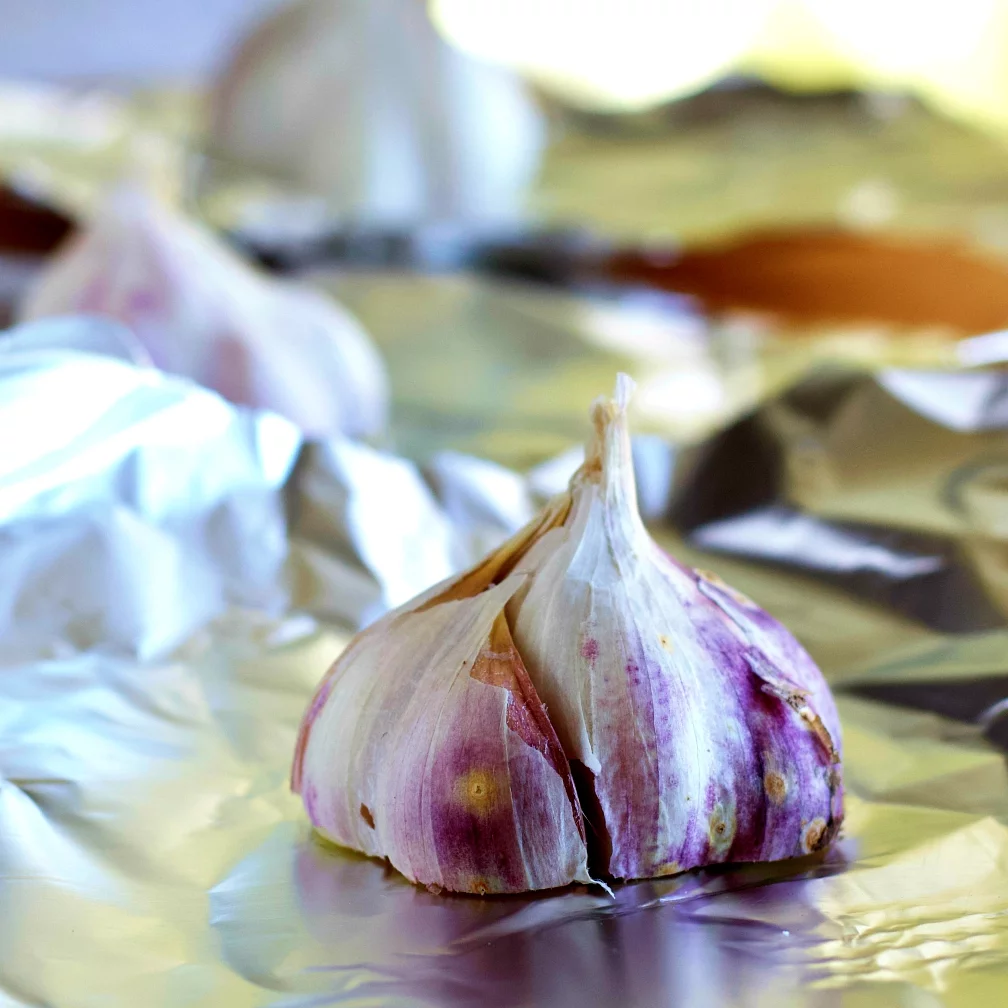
[577, 702]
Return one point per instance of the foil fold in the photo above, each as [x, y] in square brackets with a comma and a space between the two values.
[179, 572]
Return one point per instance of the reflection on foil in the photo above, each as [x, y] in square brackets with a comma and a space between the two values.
[778, 534]
[354, 509]
[307, 920]
[156, 657]
[961, 402]
[864, 481]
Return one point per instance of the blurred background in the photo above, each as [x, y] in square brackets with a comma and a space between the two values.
[123, 43]
[755, 185]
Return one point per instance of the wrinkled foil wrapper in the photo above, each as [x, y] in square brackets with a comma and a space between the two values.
[178, 573]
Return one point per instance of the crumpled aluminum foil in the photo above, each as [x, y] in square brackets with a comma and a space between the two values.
[128, 500]
[192, 568]
[166, 505]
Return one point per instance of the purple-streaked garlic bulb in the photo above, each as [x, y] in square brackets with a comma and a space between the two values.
[578, 705]
[201, 311]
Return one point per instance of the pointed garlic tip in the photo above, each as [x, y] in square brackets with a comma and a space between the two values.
[624, 390]
[606, 410]
[608, 454]
[577, 702]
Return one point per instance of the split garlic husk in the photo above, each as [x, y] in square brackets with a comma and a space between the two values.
[578, 705]
[202, 312]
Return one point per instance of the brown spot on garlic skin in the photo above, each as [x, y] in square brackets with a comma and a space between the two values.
[814, 835]
[814, 724]
[480, 885]
[365, 814]
[477, 792]
[665, 642]
[797, 699]
[775, 786]
[721, 828]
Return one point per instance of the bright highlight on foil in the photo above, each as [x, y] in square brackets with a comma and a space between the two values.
[621, 57]
[636, 54]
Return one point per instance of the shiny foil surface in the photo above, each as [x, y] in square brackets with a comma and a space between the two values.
[176, 575]
[151, 852]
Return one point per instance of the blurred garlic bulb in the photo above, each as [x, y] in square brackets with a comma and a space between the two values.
[200, 311]
[362, 101]
[578, 700]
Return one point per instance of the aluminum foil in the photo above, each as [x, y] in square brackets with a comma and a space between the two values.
[127, 500]
[178, 573]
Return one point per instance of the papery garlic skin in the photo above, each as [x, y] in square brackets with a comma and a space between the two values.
[692, 726]
[201, 312]
[669, 688]
[452, 771]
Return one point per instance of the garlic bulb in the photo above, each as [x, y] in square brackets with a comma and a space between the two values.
[577, 701]
[365, 104]
[200, 311]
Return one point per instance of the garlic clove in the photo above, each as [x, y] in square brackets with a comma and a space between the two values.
[666, 688]
[202, 312]
[427, 745]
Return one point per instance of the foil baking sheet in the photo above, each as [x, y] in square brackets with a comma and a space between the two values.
[191, 569]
